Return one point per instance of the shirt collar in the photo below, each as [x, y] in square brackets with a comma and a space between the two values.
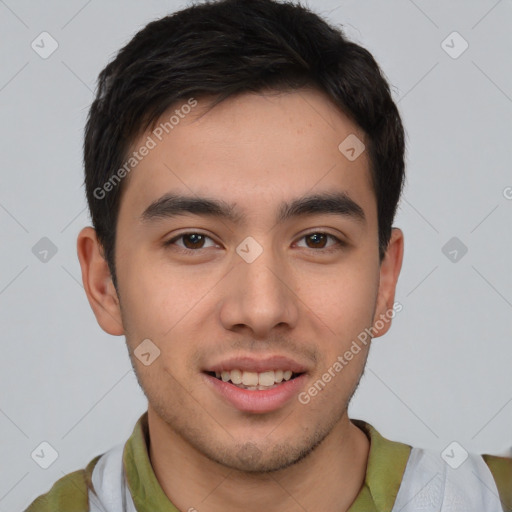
[386, 465]
[384, 471]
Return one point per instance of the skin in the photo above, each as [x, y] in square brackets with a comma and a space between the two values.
[295, 299]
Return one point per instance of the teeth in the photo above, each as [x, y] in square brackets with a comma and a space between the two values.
[266, 378]
[254, 380]
[250, 378]
[236, 376]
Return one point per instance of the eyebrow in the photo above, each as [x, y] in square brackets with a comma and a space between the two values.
[172, 205]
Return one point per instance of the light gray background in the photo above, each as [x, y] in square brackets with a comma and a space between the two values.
[443, 373]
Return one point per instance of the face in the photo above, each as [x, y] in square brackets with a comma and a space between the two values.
[237, 295]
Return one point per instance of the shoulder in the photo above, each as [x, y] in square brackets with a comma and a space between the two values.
[69, 493]
[501, 469]
[453, 481]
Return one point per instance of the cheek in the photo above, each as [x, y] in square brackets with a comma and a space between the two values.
[343, 297]
[163, 304]
[156, 297]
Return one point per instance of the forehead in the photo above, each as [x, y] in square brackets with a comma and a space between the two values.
[254, 147]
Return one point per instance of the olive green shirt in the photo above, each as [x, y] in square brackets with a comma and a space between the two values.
[386, 465]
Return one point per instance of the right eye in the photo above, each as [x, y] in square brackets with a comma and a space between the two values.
[192, 241]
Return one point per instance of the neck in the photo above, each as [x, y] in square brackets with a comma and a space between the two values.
[328, 479]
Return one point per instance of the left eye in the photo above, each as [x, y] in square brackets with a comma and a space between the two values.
[319, 240]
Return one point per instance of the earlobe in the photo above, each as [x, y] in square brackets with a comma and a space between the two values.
[97, 281]
[389, 272]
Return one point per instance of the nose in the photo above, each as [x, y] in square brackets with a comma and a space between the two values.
[260, 296]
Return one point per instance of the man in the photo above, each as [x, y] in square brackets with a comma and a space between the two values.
[243, 165]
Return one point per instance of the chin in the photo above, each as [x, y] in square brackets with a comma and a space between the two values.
[250, 457]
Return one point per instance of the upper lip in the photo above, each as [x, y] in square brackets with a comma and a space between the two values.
[251, 364]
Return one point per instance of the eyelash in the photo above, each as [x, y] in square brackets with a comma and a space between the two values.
[340, 244]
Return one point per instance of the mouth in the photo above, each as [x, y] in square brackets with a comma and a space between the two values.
[255, 381]
[256, 385]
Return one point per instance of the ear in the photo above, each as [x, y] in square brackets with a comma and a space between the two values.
[389, 272]
[98, 284]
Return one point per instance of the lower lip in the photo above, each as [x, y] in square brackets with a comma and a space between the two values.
[257, 401]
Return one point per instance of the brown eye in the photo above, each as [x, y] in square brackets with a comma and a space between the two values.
[319, 240]
[193, 240]
[190, 241]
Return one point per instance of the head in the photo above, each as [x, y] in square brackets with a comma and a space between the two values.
[231, 225]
